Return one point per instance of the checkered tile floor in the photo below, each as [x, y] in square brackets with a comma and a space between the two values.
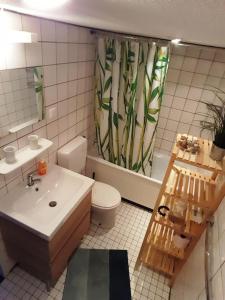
[128, 233]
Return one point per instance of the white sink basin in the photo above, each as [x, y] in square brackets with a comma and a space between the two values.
[30, 207]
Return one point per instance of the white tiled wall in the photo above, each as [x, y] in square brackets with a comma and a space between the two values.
[67, 54]
[190, 282]
[191, 72]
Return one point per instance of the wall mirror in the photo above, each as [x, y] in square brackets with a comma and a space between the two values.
[21, 99]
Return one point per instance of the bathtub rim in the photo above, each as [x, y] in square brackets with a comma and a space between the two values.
[107, 163]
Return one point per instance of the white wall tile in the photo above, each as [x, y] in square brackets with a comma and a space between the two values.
[52, 130]
[179, 50]
[61, 32]
[62, 91]
[207, 96]
[176, 61]
[50, 94]
[172, 125]
[167, 100]
[33, 54]
[166, 145]
[49, 53]
[73, 52]
[175, 114]
[62, 73]
[62, 53]
[63, 138]
[73, 34]
[182, 127]
[203, 66]
[170, 88]
[48, 30]
[223, 279]
[207, 54]
[193, 51]
[195, 131]
[164, 112]
[49, 75]
[198, 80]
[217, 69]
[190, 106]
[162, 122]
[222, 84]
[185, 77]
[169, 135]
[189, 64]
[63, 108]
[32, 24]
[173, 75]
[178, 103]
[217, 286]
[194, 93]
[63, 124]
[219, 55]
[181, 91]
[213, 81]
[160, 132]
[187, 117]
[82, 35]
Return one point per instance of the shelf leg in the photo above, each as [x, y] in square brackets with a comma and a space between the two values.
[162, 190]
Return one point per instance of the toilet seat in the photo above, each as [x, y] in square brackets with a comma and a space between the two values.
[105, 196]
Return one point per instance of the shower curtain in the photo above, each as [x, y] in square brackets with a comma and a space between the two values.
[130, 79]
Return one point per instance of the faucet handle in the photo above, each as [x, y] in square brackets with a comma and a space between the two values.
[30, 174]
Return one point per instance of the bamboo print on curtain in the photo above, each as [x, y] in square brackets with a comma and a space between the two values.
[130, 82]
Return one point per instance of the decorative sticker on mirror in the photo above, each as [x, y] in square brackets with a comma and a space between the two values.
[38, 79]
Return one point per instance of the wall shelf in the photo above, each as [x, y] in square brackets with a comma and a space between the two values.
[23, 156]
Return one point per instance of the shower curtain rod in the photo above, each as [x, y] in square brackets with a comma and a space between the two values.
[160, 41]
[121, 35]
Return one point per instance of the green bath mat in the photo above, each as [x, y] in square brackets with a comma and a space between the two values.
[98, 275]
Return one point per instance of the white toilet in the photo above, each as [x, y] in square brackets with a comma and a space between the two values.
[105, 198]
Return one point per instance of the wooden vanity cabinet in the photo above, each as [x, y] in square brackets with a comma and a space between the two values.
[47, 259]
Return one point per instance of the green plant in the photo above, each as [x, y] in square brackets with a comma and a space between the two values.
[215, 119]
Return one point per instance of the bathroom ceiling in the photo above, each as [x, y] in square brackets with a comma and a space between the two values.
[196, 21]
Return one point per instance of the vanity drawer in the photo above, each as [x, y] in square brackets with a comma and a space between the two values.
[66, 230]
[60, 262]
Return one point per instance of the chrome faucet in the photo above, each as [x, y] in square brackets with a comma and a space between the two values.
[30, 178]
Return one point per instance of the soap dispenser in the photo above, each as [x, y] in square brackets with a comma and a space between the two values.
[42, 167]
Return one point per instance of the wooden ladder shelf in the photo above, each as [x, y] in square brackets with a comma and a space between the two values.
[198, 193]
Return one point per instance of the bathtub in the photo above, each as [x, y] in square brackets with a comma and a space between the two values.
[132, 186]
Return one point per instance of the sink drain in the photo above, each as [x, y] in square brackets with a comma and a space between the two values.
[52, 203]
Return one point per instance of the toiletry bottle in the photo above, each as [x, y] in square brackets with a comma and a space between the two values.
[42, 167]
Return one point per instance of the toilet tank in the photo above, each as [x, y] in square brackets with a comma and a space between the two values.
[73, 155]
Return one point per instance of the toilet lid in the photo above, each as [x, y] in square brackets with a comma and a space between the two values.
[104, 195]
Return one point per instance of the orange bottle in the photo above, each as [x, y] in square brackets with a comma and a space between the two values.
[42, 167]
